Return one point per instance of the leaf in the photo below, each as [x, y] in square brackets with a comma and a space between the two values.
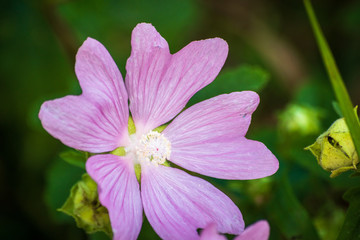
[355, 174]
[288, 214]
[75, 158]
[60, 177]
[337, 109]
[351, 227]
[245, 77]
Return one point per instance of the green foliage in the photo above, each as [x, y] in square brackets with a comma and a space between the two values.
[75, 158]
[288, 214]
[337, 109]
[111, 22]
[245, 77]
[351, 229]
[60, 178]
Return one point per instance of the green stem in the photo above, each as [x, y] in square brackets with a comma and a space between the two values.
[337, 83]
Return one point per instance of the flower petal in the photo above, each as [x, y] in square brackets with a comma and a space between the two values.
[101, 81]
[81, 124]
[211, 233]
[119, 192]
[97, 120]
[208, 138]
[257, 231]
[177, 204]
[160, 84]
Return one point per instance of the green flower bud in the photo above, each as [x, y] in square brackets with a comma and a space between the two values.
[83, 205]
[299, 119]
[335, 150]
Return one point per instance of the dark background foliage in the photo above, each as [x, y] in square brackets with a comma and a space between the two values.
[272, 50]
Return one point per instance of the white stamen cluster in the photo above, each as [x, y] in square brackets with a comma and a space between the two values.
[152, 147]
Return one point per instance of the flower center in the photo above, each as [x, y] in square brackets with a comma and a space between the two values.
[152, 147]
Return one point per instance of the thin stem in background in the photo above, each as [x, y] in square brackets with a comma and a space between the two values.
[337, 83]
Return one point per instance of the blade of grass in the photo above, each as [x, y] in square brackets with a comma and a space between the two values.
[337, 83]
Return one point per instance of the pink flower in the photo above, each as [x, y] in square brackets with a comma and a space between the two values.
[207, 138]
[257, 231]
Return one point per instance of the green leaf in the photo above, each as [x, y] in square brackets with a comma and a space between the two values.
[60, 177]
[289, 215]
[75, 158]
[245, 77]
[351, 227]
[355, 174]
[337, 109]
[336, 80]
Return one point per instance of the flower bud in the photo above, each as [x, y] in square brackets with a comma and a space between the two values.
[299, 119]
[83, 205]
[335, 150]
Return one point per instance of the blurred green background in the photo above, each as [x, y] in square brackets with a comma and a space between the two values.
[272, 51]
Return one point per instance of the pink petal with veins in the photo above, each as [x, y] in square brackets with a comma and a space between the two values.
[208, 138]
[119, 192]
[177, 204]
[160, 84]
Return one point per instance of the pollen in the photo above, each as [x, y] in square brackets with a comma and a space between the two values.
[152, 147]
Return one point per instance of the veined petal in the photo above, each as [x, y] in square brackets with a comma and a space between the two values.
[211, 233]
[160, 84]
[257, 231]
[102, 83]
[208, 138]
[224, 116]
[97, 120]
[177, 204]
[119, 192]
[82, 124]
